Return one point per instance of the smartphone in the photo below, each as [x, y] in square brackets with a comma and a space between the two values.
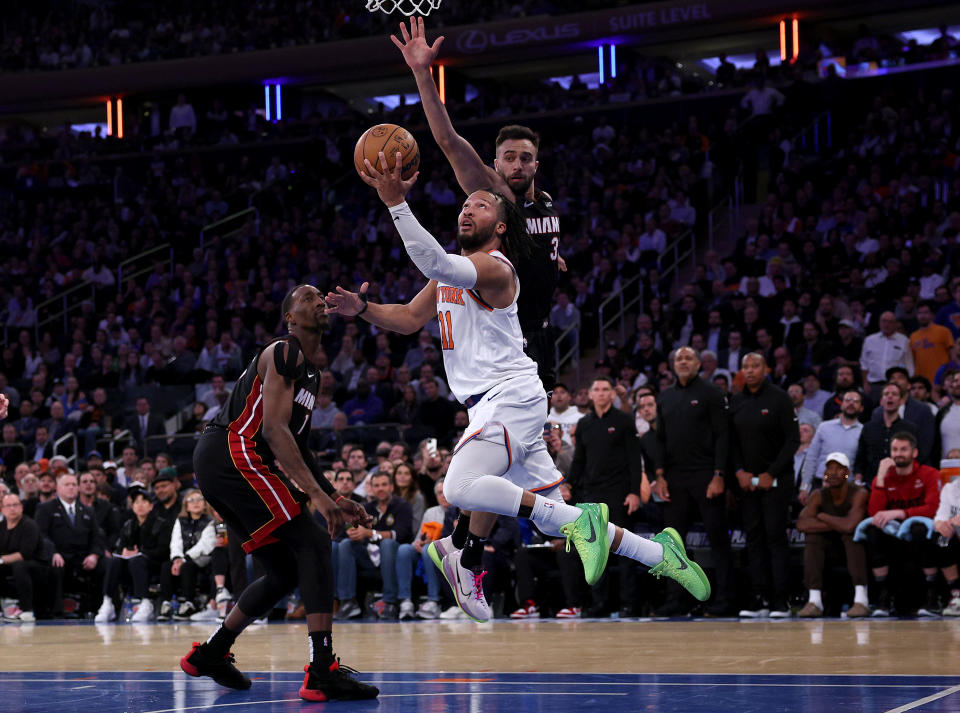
[432, 447]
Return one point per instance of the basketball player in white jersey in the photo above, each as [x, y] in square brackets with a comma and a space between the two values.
[501, 464]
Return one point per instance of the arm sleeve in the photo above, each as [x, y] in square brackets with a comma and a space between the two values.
[948, 496]
[634, 458]
[29, 542]
[206, 544]
[930, 500]
[721, 431]
[810, 462]
[431, 259]
[788, 422]
[176, 541]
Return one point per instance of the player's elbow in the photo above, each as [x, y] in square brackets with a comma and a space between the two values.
[273, 432]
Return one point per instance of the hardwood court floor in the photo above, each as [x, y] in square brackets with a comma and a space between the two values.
[917, 647]
[604, 666]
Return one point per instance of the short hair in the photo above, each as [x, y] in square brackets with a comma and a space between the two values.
[905, 436]
[902, 389]
[754, 355]
[65, 474]
[602, 377]
[343, 470]
[518, 133]
[929, 304]
[381, 474]
[896, 370]
[922, 380]
[561, 385]
[288, 301]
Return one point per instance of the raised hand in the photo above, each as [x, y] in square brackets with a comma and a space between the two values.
[391, 188]
[416, 52]
[344, 302]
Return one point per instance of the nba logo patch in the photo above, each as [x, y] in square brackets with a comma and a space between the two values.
[611, 429]
[548, 505]
[695, 402]
[764, 411]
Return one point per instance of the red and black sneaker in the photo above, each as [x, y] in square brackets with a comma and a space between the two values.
[221, 670]
[336, 683]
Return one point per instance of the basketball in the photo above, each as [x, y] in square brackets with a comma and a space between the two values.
[388, 138]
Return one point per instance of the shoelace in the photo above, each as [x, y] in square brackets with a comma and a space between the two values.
[477, 585]
[230, 658]
[346, 669]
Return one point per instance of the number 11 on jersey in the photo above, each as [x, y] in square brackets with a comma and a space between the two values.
[446, 330]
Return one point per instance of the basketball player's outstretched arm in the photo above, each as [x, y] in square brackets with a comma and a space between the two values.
[405, 319]
[472, 173]
[277, 407]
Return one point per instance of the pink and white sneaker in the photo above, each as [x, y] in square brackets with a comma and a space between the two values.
[438, 549]
[530, 610]
[569, 613]
[467, 588]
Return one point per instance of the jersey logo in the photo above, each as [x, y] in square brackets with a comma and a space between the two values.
[541, 226]
[611, 429]
[306, 399]
[527, 204]
[764, 411]
[450, 295]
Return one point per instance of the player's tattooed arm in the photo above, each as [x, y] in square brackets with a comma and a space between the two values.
[472, 173]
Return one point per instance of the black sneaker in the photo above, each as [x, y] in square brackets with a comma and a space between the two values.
[221, 670]
[932, 607]
[883, 606]
[166, 612]
[348, 610]
[389, 612]
[186, 610]
[337, 683]
[757, 608]
[779, 609]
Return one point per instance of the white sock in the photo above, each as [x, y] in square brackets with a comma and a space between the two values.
[815, 598]
[636, 548]
[550, 515]
[860, 595]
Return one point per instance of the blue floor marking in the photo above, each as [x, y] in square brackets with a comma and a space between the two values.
[160, 692]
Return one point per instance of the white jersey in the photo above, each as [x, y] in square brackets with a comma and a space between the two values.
[482, 345]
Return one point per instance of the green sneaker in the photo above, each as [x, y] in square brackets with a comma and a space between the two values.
[589, 535]
[676, 565]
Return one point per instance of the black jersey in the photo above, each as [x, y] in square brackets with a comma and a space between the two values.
[243, 413]
[539, 273]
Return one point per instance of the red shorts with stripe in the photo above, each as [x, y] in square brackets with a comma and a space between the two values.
[252, 497]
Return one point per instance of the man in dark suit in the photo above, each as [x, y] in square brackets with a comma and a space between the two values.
[916, 412]
[77, 540]
[731, 357]
[143, 424]
[42, 445]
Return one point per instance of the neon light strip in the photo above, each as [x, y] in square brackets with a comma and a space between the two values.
[443, 85]
[613, 61]
[119, 118]
[783, 40]
[600, 56]
[279, 104]
[796, 39]
[109, 118]
[266, 100]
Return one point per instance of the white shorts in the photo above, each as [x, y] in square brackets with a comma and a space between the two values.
[513, 414]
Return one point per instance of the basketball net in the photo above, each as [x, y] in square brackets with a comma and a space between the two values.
[407, 7]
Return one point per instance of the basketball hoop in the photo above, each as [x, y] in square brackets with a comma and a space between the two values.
[407, 7]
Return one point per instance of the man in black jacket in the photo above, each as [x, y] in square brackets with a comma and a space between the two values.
[608, 468]
[77, 541]
[876, 436]
[21, 551]
[765, 435]
[692, 431]
[917, 413]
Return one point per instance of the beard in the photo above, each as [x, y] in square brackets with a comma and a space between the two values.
[902, 462]
[475, 240]
[519, 189]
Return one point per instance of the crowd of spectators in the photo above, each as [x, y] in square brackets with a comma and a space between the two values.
[846, 281]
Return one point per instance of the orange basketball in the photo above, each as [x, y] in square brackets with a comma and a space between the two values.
[388, 138]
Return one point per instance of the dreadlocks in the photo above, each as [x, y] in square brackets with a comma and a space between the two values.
[516, 241]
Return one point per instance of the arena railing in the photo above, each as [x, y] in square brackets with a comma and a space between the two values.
[144, 263]
[228, 227]
[60, 307]
[72, 457]
[572, 354]
[119, 439]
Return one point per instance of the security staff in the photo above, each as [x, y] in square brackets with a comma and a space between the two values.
[608, 468]
[693, 434]
[765, 435]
